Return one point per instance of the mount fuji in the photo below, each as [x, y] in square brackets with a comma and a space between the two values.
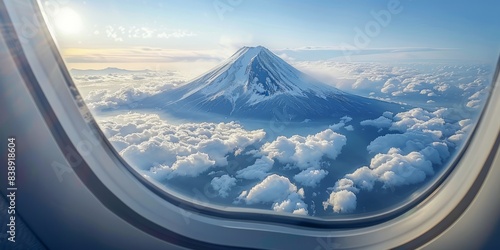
[255, 83]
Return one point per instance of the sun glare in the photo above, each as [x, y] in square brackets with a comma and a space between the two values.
[68, 21]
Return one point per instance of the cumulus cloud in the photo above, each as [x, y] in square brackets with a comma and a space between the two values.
[258, 170]
[191, 165]
[392, 169]
[343, 201]
[396, 169]
[422, 141]
[390, 85]
[349, 128]
[272, 189]
[461, 87]
[381, 122]
[476, 100]
[304, 152]
[280, 191]
[122, 90]
[310, 177]
[292, 204]
[418, 119]
[459, 137]
[167, 150]
[363, 178]
[163, 151]
[342, 124]
[223, 184]
[125, 97]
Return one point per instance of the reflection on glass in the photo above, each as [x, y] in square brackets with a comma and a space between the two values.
[314, 109]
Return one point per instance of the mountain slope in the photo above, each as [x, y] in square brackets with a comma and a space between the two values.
[256, 83]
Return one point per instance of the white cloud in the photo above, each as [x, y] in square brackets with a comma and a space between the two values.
[343, 201]
[364, 83]
[272, 189]
[459, 137]
[120, 33]
[423, 141]
[126, 90]
[258, 170]
[417, 119]
[166, 150]
[390, 85]
[279, 190]
[396, 169]
[410, 141]
[223, 184]
[460, 87]
[476, 100]
[363, 178]
[175, 34]
[310, 177]
[388, 114]
[381, 122]
[192, 165]
[305, 152]
[342, 124]
[442, 87]
[124, 97]
[292, 204]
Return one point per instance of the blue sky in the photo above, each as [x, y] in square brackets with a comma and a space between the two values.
[191, 30]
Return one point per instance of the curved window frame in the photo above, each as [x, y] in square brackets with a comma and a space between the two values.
[125, 192]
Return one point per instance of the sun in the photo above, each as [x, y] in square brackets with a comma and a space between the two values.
[68, 21]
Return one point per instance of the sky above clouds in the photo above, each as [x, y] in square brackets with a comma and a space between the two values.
[175, 31]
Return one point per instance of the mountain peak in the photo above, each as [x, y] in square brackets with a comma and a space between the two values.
[258, 47]
[250, 52]
[254, 82]
[253, 75]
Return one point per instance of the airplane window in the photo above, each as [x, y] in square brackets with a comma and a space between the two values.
[321, 109]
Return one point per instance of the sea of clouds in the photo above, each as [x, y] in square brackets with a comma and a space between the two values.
[463, 87]
[414, 144]
[411, 146]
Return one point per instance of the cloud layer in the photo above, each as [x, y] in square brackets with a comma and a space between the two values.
[305, 152]
[423, 140]
[461, 87]
[278, 172]
[166, 150]
[278, 190]
[223, 184]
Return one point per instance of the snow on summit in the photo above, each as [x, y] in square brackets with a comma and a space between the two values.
[257, 72]
[256, 83]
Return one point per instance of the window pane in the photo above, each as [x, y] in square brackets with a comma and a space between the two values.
[314, 108]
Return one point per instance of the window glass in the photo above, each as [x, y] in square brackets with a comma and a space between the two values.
[317, 108]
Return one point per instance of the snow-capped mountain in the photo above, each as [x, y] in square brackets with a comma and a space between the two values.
[256, 83]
